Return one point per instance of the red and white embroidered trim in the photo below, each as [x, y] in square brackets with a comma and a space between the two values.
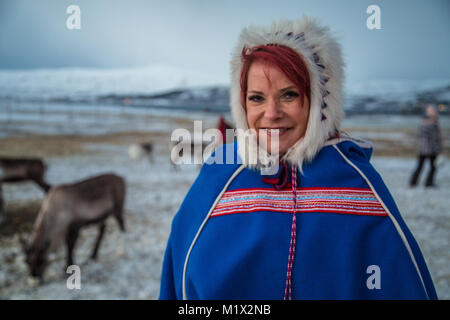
[356, 201]
[288, 289]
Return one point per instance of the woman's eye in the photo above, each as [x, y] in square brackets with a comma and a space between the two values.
[290, 95]
[255, 98]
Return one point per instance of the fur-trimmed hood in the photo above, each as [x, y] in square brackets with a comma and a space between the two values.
[322, 56]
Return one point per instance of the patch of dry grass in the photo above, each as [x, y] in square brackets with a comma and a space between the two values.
[393, 147]
[45, 146]
[67, 145]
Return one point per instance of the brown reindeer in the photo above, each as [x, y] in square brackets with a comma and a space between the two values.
[66, 209]
[21, 169]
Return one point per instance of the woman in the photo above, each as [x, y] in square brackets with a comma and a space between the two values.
[430, 145]
[324, 225]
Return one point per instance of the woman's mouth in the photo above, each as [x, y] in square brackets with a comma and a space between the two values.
[274, 131]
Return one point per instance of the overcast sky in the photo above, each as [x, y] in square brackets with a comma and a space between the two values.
[412, 44]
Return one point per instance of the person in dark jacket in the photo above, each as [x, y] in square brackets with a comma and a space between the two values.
[430, 146]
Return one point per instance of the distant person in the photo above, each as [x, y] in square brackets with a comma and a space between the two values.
[430, 145]
[222, 126]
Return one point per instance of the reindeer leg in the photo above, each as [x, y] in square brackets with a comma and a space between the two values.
[38, 176]
[118, 211]
[2, 213]
[101, 231]
[40, 181]
[71, 239]
[120, 221]
[45, 186]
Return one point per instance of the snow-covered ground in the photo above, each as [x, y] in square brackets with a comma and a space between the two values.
[129, 264]
[426, 212]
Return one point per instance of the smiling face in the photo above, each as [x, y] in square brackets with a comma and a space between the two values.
[274, 103]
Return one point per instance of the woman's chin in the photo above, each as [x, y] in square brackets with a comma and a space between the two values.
[280, 152]
[278, 148]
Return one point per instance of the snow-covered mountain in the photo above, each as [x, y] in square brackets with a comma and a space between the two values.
[174, 88]
[396, 96]
[75, 84]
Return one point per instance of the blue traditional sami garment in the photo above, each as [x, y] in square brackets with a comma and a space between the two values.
[230, 238]
[328, 231]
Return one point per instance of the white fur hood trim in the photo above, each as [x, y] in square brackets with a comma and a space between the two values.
[322, 56]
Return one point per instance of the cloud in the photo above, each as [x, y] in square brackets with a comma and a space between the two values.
[201, 34]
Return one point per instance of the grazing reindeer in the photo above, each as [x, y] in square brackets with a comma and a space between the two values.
[66, 209]
[138, 150]
[178, 149]
[17, 170]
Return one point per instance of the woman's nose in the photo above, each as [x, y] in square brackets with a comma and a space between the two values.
[273, 110]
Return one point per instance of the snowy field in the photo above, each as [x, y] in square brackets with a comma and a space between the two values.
[129, 264]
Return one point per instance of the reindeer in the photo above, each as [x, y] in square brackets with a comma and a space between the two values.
[196, 146]
[68, 208]
[21, 169]
[137, 150]
[178, 149]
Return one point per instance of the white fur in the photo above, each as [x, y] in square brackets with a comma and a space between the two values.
[329, 52]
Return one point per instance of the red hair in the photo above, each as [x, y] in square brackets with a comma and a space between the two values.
[282, 57]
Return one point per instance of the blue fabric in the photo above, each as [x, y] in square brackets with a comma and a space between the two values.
[245, 255]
